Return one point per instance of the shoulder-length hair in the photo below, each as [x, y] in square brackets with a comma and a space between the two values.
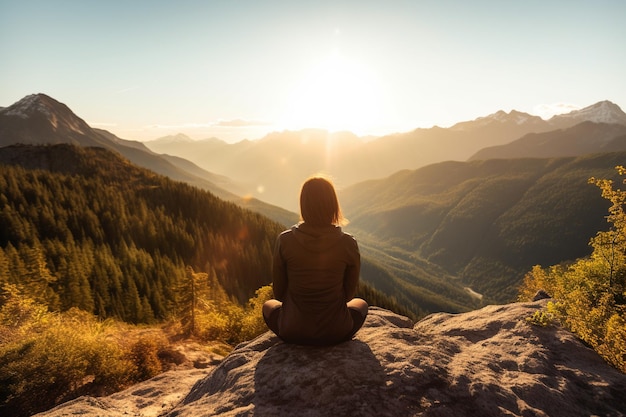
[319, 205]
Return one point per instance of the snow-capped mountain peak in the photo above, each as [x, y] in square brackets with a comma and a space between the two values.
[499, 118]
[29, 105]
[601, 112]
[45, 109]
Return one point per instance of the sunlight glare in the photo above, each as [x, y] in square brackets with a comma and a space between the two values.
[335, 95]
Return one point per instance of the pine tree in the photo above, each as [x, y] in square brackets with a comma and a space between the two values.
[193, 292]
[37, 278]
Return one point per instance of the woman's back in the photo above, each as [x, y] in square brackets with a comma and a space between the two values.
[315, 273]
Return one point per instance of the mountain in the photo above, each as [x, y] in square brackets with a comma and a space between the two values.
[601, 112]
[489, 362]
[273, 167]
[40, 119]
[182, 139]
[407, 238]
[584, 138]
[486, 222]
[37, 119]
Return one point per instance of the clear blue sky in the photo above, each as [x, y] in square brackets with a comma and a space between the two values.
[238, 69]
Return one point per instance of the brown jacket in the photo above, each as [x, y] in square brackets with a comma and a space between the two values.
[316, 272]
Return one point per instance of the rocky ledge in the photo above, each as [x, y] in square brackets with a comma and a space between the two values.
[488, 362]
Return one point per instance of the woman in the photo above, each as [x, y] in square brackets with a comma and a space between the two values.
[316, 272]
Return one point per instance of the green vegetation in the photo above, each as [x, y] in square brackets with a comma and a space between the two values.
[589, 295]
[416, 287]
[110, 238]
[91, 243]
[207, 313]
[47, 357]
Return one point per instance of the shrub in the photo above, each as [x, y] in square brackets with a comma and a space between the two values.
[47, 358]
[145, 356]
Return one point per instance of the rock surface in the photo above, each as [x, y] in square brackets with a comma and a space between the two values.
[488, 362]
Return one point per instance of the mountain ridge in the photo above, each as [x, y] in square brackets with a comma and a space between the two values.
[603, 111]
[583, 138]
[40, 119]
[277, 164]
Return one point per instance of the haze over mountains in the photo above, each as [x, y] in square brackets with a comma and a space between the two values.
[273, 167]
[584, 138]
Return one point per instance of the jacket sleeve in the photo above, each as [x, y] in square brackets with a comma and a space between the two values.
[353, 270]
[279, 273]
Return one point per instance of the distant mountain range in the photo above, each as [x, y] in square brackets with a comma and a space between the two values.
[581, 139]
[266, 174]
[272, 168]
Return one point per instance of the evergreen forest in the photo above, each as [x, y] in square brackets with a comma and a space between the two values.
[105, 236]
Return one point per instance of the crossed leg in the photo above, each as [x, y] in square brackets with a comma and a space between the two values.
[357, 306]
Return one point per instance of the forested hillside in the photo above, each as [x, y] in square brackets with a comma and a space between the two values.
[487, 222]
[96, 232]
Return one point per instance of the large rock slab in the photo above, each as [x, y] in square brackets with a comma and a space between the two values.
[488, 362]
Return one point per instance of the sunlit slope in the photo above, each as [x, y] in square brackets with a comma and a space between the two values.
[420, 286]
[487, 222]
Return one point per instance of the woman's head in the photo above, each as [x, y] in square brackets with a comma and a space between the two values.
[319, 205]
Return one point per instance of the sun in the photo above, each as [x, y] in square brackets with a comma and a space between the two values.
[337, 94]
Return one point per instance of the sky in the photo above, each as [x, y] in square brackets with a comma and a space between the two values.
[240, 69]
